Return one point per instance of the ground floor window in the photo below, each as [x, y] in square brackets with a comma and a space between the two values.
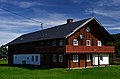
[60, 58]
[75, 58]
[32, 58]
[101, 57]
[88, 57]
[36, 58]
[54, 58]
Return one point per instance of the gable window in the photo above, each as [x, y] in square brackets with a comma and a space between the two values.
[75, 42]
[54, 43]
[60, 58]
[54, 57]
[87, 42]
[61, 42]
[75, 58]
[88, 57]
[99, 43]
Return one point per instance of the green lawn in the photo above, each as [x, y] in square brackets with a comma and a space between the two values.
[109, 72]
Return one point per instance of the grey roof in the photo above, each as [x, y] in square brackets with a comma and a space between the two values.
[60, 31]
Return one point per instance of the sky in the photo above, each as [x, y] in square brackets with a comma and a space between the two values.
[52, 13]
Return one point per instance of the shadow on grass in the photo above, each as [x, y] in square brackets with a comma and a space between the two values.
[31, 67]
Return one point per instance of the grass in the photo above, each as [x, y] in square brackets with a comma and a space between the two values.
[9, 72]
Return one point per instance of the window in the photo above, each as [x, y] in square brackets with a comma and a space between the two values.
[75, 42]
[54, 43]
[36, 58]
[88, 57]
[75, 58]
[101, 58]
[48, 42]
[88, 29]
[27, 58]
[81, 36]
[54, 58]
[61, 58]
[99, 43]
[87, 42]
[32, 58]
[61, 42]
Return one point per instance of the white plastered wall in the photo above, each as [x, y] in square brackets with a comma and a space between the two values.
[33, 59]
[104, 61]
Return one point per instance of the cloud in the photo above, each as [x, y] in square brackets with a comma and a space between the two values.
[114, 28]
[115, 14]
[13, 27]
[6, 37]
[22, 4]
[26, 4]
[77, 1]
[108, 2]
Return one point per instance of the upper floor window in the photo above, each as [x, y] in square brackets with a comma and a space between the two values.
[75, 42]
[99, 43]
[60, 58]
[61, 42]
[54, 43]
[75, 58]
[87, 42]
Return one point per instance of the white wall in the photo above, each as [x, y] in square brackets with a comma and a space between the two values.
[105, 59]
[102, 62]
[26, 59]
[95, 59]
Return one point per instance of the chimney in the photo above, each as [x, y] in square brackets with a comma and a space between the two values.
[69, 21]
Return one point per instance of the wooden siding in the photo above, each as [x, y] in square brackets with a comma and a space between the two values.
[50, 49]
[95, 34]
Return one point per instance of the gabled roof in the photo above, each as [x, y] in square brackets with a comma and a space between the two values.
[61, 31]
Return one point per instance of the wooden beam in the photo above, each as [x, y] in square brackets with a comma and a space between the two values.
[85, 60]
[98, 60]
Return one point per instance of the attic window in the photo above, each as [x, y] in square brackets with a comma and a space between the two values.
[21, 38]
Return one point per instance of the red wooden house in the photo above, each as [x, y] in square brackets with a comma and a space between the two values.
[74, 44]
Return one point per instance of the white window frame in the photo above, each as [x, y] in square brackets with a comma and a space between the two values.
[61, 43]
[60, 57]
[88, 57]
[75, 58]
[54, 43]
[75, 42]
[88, 43]
[54, 57]
[99, 43]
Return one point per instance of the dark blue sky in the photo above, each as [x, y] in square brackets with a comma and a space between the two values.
[52, 13]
